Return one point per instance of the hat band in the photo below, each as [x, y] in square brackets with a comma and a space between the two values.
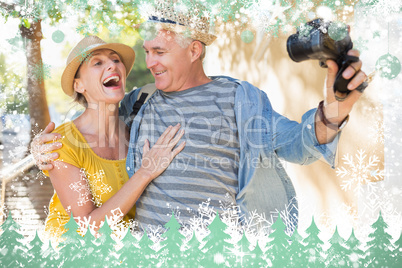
[88, 48]
[156, 19]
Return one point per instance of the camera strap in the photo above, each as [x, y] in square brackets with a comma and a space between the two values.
[143, 96]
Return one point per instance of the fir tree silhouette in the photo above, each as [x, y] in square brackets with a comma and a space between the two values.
[397, 254]
[379, 254]
[13, 252]
[71, 251]
[173, 243]
[337, 253]
[313, 251]
[35, 251]
[243, 255]
[146, 257]
[279, 244]
[296, 251]
[218, 250]
[91, 248]
[354, 253]
[258, 257]
[106, 251]
[129, 252]
[50, 256]
[193, 254]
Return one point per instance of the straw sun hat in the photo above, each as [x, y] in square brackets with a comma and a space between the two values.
[81, 52]
[167, 18]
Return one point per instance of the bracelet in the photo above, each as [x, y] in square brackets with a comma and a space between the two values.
[325, 121]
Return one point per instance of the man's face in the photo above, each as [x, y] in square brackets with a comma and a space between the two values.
[169, 63]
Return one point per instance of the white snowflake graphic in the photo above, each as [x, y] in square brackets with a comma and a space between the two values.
[289, 216]
[230, 211]
[379, 199]
[117, 215]
[84, 223]
[89, 27]
[176, 211]
[115, 222]
[343, 217]
[90, 185]
[378, 132]
[198, 223]
[361, 171]
[98, 187]
[383, 9]
[40, 152]
[264, 13]
[95, 4]
[82, 188]
[256, 225]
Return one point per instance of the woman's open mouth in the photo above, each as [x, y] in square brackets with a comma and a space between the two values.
[112, 82]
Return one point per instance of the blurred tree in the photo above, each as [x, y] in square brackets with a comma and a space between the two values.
[146, 258]
[50, 256]
[218, 249]
[244, 256]
[354, 253]
[71, 252]
[313, 250]
[91, 246]
[379, 253]
[398, 252]
[35, 257]
[11, 85]
[31, 31]
[280, 243]
[173, 243]
[193, 253]
[12, 247]
[337, 253]
[129, 251]
[106, 252]
[296, 251]
[258, 258]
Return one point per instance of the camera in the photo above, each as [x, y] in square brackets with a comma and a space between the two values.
[322, 40]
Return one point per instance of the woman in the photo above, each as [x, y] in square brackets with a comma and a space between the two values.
[90, 180]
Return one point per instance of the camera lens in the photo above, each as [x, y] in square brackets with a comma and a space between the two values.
[298, 49]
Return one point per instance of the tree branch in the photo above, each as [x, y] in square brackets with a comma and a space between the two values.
[10, 8]
[7, 7]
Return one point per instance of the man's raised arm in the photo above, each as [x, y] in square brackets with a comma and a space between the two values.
[331, 114]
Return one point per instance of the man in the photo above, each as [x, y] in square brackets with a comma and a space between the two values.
[233, 137]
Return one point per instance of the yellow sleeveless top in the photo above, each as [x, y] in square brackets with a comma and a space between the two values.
[104, 177]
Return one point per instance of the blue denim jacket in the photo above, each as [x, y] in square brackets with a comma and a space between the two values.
[265, 137]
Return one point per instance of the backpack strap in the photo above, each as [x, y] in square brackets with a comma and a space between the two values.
[143, 96]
